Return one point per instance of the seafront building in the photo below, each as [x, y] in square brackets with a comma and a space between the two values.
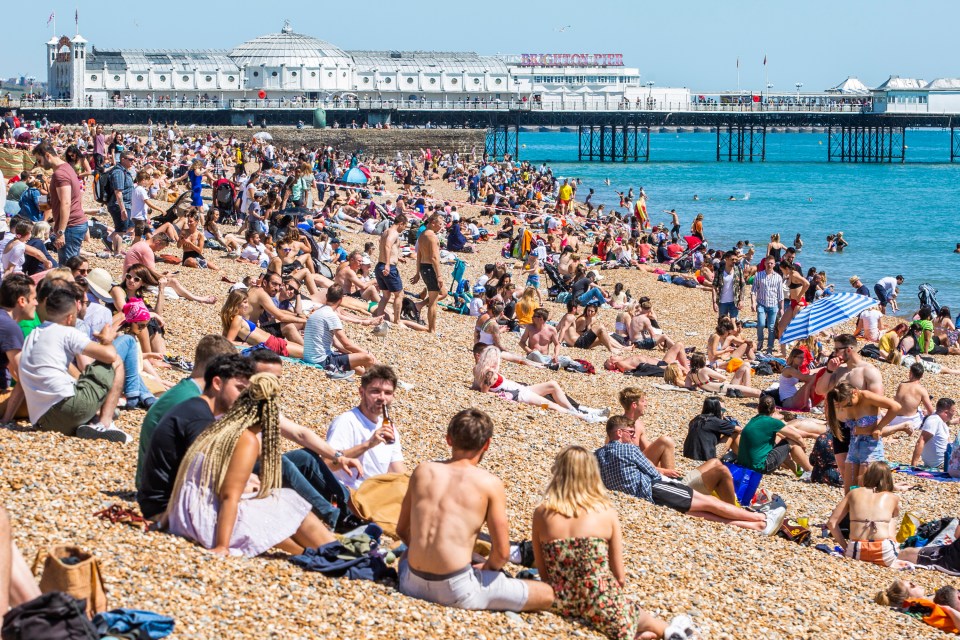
[292, 66]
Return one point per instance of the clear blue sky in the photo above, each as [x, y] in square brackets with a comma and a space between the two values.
[693, 44]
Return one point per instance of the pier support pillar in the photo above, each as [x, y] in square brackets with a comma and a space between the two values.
[870, 144]
[503, 139]
[738, 142]
[627, 142]
[954, 144]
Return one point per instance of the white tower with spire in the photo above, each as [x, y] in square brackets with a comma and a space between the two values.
[66, 63]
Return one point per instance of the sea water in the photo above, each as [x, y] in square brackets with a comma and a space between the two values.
[898, 218]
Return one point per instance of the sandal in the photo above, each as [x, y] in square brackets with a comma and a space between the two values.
[118, 513]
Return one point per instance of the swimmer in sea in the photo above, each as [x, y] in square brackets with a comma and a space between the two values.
[732, 198]
[798, 243]
[696, 198]
[957, 250]
[841, 243]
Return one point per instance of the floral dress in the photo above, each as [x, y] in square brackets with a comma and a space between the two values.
[585, 588]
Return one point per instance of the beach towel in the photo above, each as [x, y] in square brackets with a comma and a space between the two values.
[927, 473]
[670, 387]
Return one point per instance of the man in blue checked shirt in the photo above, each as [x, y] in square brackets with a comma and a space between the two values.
[624, 468]
[766, 298]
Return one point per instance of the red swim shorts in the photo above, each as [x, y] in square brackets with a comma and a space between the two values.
[277, 345]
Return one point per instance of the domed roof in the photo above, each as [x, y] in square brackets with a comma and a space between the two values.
[286, 48]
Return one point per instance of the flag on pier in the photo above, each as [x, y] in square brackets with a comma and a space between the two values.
[764, 59]
[53, 14]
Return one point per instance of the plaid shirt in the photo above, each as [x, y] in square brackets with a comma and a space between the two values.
[623, 467]
[768, 289]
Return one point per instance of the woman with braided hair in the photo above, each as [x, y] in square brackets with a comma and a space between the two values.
[214, 501]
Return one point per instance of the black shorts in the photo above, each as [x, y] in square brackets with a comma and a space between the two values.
[273, 328]
[586, 339]
[945, 557]
[678, 497]
[841, 447]
[621, 340]
[777, 456]
[645, 343]
[429, 276]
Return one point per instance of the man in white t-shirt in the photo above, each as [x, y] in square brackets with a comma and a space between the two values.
[55, 401]
[870, 324]
[359, 433]
[935, 435]
[324, 331]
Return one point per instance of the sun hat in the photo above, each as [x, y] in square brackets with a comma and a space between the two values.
[365, 260]
[99, 282]
[853, 279]
[135, 311]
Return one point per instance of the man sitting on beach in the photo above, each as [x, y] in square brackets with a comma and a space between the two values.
[443, 511]
[56, 401]
[624, 468]
[265, 313]
[911, 395]
[18, 301]
[766, 443]
[360, 432]
[540, 341]
[661, 452]
[351, 283]
[324, 331]
[935, 435]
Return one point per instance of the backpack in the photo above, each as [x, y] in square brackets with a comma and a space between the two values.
[102, 189]
[52, 616]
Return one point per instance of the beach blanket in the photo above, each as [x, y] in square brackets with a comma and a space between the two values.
[927, 473]
[670, 387]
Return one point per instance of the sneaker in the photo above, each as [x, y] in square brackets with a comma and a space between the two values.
[680, 628]
[805, 476]
[774, 520]
[337, 374]
[775, 502]
[381, 329]
[96, 431]
[592, 418]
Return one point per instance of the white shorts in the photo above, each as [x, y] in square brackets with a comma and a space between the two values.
[468, 588]
[914, 420]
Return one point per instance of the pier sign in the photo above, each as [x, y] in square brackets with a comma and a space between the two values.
[571, 59]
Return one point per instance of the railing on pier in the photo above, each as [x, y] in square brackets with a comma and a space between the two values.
[572, 104]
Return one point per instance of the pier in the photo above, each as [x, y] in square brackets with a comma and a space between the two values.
[607, 132]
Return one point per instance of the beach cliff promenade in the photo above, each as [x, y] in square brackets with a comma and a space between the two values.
[608, 130]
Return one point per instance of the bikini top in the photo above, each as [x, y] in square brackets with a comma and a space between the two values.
[872, 528]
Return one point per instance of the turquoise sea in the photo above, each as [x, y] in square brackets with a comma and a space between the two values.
[898, 218]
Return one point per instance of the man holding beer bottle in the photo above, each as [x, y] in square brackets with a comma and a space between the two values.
[366, 432]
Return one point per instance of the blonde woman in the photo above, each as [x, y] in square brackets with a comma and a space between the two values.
[578, 550]
[529, 302]
[210, 503]
[238, 330]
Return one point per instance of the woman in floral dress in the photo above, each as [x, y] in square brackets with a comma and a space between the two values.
[578, 549]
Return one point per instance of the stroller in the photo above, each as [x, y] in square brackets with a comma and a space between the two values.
[559, 286]
[459, 290]
[225, 200]
[180, 208]
[683, 263]
[928, 297]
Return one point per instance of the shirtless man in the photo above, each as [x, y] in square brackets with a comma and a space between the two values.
[675, 224]
[388, 276]
[662, 451]
[911, 395]
[846, 365]
[428, 267]
[351, 283]
[540, 340]
[644, 335]
[443, 511]
[265, 313]
[587, 333]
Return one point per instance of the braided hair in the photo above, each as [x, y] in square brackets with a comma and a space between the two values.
[257, 405]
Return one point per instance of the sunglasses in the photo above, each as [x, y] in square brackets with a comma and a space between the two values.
[133, 277]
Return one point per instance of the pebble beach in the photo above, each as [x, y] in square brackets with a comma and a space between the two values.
[733, 583]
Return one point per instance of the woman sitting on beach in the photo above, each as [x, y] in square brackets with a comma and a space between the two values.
[238, 330]
[941, 612]
[710, 429]
[723, 345]
[853, 416]
[546, 395]
[192, 243]
[889, 344]
[529, 302]
[621, 326]
[795, 388]
[945, 334]
[578, 550]
[215, 503]
[700, 376]
[136, 282]
[874, 511]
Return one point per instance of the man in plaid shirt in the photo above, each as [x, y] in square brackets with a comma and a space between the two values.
[766, 298]
[624, 468]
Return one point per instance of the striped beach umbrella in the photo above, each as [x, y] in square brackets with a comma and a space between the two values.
[825, 313]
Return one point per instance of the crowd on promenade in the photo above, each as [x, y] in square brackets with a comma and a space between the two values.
[80, 343]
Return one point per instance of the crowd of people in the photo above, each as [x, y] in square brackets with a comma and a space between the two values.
[80, 343]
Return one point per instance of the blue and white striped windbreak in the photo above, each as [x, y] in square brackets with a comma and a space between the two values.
[825, 313]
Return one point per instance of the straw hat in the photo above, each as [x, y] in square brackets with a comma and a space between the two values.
[100, 282]
[854, 279]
